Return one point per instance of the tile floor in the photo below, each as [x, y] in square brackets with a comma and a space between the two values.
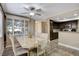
[61, 52]
[58, 52]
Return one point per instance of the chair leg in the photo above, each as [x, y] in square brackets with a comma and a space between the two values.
[28, 54]
[44, 53]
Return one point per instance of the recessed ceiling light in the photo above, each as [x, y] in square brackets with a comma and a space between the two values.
[75, 14]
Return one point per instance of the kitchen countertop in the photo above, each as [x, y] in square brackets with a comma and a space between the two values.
[68, 32]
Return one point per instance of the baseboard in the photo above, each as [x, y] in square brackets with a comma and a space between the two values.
[69, 46]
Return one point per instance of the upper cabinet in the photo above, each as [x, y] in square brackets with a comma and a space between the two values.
[70, 26]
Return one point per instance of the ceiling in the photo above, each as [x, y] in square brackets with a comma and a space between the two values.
[57, 11]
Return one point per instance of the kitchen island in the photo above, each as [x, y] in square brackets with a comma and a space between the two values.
[69, 39]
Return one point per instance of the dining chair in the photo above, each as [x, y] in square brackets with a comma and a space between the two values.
[16, 47]
[43, 41]
[41, 49]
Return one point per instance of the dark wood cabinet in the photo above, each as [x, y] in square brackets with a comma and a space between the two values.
[53, 35]
[65, 26]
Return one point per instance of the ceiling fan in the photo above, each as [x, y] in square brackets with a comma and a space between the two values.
[32, 11]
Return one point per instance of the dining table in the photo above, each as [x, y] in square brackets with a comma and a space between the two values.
[28, 43]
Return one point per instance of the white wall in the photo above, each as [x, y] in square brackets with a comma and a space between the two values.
[32, 27]
[41, 37]
[16, 17]
[1, 33]
[38, 30]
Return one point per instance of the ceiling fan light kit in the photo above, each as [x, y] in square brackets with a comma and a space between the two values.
[32, 10]
[32, 14]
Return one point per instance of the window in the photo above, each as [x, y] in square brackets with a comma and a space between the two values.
[17, 27]
[26, 28]
[10, 26]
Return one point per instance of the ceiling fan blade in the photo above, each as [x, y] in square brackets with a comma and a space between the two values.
[38, 10]
[38, 14]
[26, 9]
[24, 13]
